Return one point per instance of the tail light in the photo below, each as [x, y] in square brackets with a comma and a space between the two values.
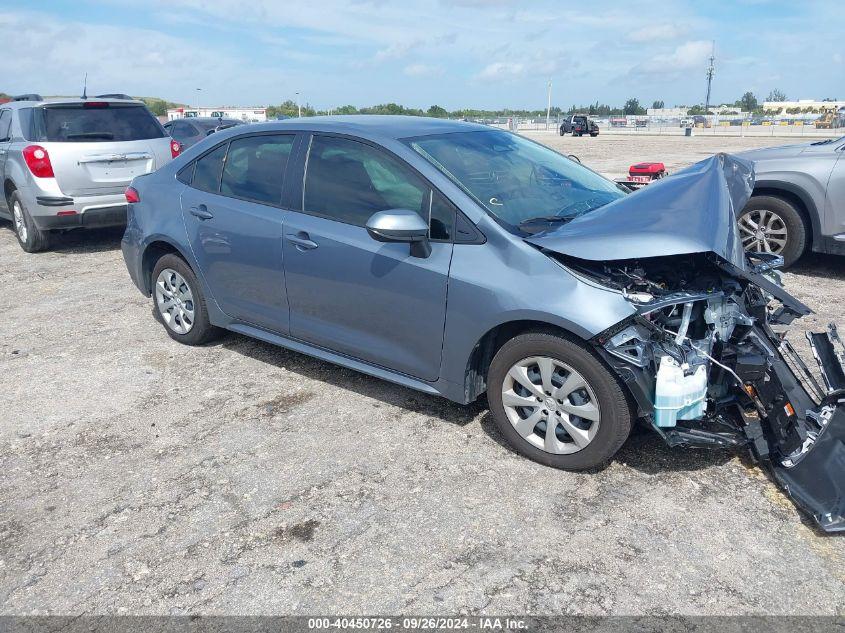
[38, 161]
[175, 148]
[132, 195]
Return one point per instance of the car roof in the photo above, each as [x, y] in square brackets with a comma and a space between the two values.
[374, 125]
[66, 100]
[205, 119]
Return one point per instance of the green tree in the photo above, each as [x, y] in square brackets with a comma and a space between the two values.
[437, 111]
[632, 106]
[658, 105]
[347, 109]
[776, 95]
[748, 102]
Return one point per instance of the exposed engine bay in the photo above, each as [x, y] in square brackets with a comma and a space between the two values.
[707, 361]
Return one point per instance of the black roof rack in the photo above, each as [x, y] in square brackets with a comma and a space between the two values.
[115, 95]
[28, 97]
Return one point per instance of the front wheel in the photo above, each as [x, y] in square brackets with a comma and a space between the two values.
[556, 403]
[769, 224]
[180, 303]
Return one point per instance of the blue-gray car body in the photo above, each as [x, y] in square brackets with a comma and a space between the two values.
[638, 281]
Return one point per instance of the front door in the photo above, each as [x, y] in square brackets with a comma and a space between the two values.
[233, 215]
[834, 217]
[349, 293]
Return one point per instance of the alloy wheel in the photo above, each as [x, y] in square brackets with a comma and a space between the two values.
[175, 301]
[763, 231]
[20, 224]
[551, 405]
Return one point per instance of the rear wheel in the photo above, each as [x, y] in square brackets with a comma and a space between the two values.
[769, 224]
[556, 403]
[180, 303]
[30, 237]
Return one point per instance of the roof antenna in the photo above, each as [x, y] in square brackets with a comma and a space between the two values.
[85, 87]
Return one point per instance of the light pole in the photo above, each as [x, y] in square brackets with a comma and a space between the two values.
[298, 107]
[549, 106]
[198, 100]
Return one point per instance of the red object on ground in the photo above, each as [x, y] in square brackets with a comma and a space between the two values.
[655, 170]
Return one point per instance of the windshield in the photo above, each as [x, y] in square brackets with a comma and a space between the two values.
[525, 185]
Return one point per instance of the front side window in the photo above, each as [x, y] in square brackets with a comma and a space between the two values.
[349, 181]
[255, 166]
[94, 122]
[526, 186]
[208, 170]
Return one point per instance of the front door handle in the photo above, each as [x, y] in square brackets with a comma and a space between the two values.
[302, 240]
[202, 212]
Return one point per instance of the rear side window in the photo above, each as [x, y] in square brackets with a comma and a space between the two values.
[255, 166]
[94, 123]
[208, 170]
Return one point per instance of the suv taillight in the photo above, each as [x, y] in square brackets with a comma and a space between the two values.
[175, 148]
[38, 161]
[132, 195]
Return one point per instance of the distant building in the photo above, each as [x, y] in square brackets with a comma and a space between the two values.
[250, 115]
[819, 107]
[681, 112]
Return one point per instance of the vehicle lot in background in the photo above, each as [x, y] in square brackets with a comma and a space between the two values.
[243, 478]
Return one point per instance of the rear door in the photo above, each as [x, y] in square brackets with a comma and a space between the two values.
[98, 147]
[233, 215]
[354, 295]
[5, 133]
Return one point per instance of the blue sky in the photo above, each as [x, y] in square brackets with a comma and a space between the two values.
[455, 53]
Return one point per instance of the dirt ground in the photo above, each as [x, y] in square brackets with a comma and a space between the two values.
[140, 476]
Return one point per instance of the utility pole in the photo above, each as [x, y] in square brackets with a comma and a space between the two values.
[298, 107]
[549, 105]
[711, 69]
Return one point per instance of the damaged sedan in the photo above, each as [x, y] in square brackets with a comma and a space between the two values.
[462, 261]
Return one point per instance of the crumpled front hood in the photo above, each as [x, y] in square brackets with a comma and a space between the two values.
[692, 211]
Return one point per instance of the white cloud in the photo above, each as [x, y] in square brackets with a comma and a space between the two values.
[422, 70]
[499, 70]
[689, 56]
[657, 32]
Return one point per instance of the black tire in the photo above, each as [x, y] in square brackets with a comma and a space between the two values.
[594, 134]
[616, 416]
[796, 228]
[201, 331]
[34, 239]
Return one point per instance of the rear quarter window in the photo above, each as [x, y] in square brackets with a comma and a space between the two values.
[94, 124]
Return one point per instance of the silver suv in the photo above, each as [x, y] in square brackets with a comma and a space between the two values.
[66, 163]
[798, 202]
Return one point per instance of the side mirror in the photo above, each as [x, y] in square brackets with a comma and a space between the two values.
[401, 225]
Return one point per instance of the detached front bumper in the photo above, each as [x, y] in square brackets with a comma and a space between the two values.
[814, 474]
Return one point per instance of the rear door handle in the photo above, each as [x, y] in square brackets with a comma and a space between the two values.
[202, 212]
[302, 240]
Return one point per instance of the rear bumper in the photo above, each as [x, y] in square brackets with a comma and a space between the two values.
[51, 212]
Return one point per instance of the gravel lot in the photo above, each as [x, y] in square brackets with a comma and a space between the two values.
[140, 476]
